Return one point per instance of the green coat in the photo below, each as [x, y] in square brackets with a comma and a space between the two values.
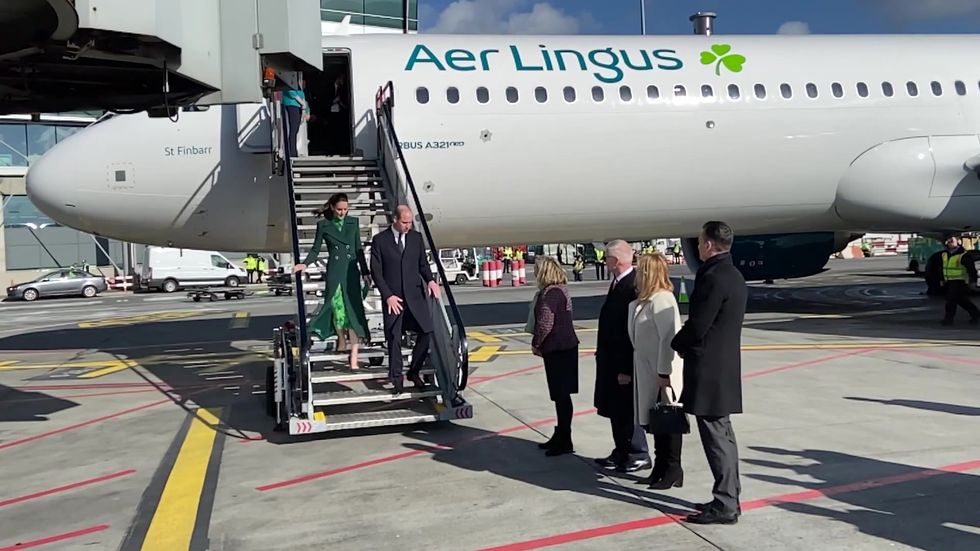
[343, 289]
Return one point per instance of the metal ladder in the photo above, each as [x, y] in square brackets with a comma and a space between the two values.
[312, 387]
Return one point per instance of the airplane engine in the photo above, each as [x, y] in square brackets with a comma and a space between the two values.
[776, 256]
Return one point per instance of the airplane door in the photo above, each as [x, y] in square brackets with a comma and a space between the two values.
[330, 128]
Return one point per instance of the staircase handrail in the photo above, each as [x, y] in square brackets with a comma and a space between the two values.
[384, 104]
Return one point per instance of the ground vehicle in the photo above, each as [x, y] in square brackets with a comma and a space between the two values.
[920, 249]
[64, 282]
[169, 269]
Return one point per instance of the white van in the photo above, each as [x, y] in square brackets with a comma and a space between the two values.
[170, 269]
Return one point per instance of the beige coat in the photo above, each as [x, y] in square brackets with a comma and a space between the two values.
[652, 325]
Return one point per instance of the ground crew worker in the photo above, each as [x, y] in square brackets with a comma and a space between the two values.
[578, 267]
[600, 265]
[866, 249]
[261, 268]
[677, 252]
[956, 274]
[251, 264]
[508, 258]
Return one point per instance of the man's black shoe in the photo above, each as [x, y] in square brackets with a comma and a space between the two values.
[416, 380]
[607, 462]
[711, 516]
[710, 505]
[633, 465]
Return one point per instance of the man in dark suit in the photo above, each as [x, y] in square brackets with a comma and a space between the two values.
[401, 272]
[710, 343]
[614, 365]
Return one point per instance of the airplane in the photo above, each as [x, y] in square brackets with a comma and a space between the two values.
[798, 142]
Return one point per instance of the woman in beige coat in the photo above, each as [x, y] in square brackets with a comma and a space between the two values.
[654, 320]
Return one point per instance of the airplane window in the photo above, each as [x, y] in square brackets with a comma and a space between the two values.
[598, 94]
[837, 89]
[912, 88]
[886, 88]
[937, 89]
[653, 92]
[540, 94]
[422, 94]
[734, 92]
[569, 94]
[482, 95]
[862, 89]
[512, 94]
[707, 91]
[960, 88]
[760, 91]
[811, 90]
[452, 94]
[680, 91]
[786, 90]
[625, 93]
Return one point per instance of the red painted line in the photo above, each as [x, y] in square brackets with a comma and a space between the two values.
[114, 393]
[83, 386]
[806, 363]
[55, 539]
[795, 497]
[517, 428]
[27, 439]
[937, 356]
[66, 487]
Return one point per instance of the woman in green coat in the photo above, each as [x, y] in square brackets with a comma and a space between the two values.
[342, 312]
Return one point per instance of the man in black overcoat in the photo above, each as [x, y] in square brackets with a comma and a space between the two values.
[614, 365]
[401, 271]
[710, 343]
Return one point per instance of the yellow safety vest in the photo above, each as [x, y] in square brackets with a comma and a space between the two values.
[250, 263]
[953, 268]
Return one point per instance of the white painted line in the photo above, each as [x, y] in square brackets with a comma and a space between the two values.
[224, 377]
[258, 392]
[232, 387]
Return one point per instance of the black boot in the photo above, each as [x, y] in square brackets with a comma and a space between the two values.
[673, 478]
[551, 441]
[563, 443]
[667, 448]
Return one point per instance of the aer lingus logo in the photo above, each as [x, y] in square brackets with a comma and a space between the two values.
[720, 54]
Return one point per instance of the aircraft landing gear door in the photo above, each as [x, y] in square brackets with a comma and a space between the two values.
[330, 130]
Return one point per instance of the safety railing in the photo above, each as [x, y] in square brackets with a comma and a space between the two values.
[454, 351]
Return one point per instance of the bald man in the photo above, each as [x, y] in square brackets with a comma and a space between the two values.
[614, 365]
[401, 272]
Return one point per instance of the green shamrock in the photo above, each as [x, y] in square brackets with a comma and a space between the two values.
[720, 53]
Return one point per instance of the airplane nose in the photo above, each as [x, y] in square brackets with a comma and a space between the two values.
[51, 188]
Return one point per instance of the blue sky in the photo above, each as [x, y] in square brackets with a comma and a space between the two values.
[671, 16]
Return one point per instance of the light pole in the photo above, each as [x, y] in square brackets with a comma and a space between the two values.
[643, 17]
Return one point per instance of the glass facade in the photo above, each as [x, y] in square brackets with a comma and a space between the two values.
[23, 143]
[372, 13]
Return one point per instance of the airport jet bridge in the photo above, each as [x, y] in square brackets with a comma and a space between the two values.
[310, 387]
[156, 55]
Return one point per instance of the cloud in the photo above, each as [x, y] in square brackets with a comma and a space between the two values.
[794, 27]
[919, 10]
[505, 17]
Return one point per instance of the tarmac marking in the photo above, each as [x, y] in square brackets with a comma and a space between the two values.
[482, 337]
[946, 357]
[805, 363]
[517, 428]
[142, 318]
[795, 497]
[65, 488]
[176, 516]
[74, 426]
[488, 353]
[54, 539]
[240, 320]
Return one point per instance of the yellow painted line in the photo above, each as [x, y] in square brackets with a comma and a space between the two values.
[240, 321]
[108, 370]
[117, 365]
[144, 318]
[6, 363]
[486, 353]
[481, 336]
[173, 521]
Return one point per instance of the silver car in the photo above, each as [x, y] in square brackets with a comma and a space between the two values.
[59, 283]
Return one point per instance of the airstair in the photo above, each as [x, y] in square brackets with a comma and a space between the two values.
[311, 387]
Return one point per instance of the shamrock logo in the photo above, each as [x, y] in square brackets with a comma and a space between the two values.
[720, 53]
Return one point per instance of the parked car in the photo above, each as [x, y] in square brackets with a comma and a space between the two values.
[59, 283]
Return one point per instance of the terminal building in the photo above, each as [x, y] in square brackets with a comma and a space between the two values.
[32, 243]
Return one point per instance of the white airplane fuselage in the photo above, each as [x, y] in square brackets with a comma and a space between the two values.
[632, 166]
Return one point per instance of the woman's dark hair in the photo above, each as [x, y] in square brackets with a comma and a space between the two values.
[327, 210]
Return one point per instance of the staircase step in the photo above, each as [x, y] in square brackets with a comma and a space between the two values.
[348, 171]
[368, 419]
[342, 356]
[328, 190]
[369, 396]
[344, 179]
[320, 377]
[332, 160]
[353, 204]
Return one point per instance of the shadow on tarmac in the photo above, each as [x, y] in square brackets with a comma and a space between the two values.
[939, 407]
[19, 405]
[938, 511]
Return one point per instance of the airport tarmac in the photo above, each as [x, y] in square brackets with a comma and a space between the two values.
[138, 422]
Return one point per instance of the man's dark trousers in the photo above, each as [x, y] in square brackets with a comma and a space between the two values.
[721, 449]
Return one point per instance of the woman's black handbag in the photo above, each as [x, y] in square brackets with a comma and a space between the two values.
[666, 418]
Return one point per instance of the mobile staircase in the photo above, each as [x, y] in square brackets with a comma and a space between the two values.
[310, 387]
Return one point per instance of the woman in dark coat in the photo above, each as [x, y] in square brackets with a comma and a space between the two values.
[554, 340]
[342, 312]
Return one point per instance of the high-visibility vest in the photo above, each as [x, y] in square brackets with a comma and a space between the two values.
[251, 263]
[262, 266]
[953, 268]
